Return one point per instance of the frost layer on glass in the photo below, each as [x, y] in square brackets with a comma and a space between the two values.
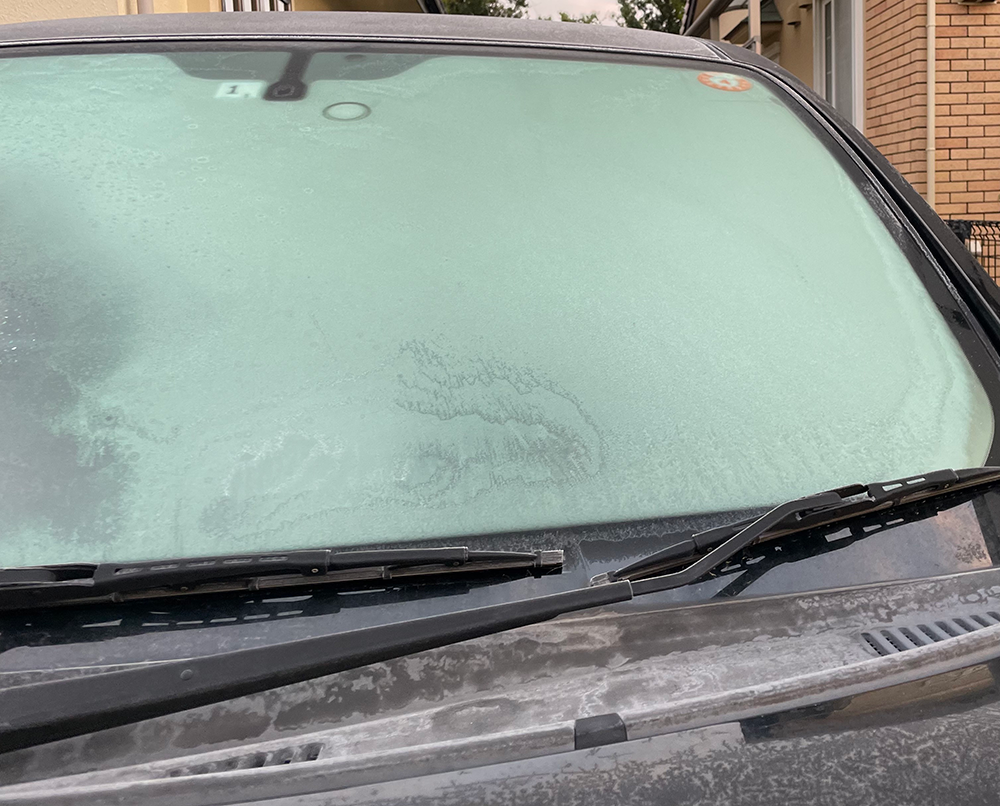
[515, 293]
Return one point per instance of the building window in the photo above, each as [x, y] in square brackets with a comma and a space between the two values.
[828, 47]
[256, 5]
[838, 53]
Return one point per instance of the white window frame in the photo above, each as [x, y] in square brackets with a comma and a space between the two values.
[857, 56]
[858, 71]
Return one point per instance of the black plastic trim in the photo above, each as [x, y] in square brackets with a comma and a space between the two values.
[596, 731]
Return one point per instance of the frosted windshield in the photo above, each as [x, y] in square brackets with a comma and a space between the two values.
[436, 297]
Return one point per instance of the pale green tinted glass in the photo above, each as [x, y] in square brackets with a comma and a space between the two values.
[489, 294]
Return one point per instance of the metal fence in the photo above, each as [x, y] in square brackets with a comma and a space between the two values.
[982, 239]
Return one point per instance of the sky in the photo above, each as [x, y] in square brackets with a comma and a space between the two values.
[551, 8]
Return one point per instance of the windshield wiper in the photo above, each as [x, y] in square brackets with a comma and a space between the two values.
[44, 712]
[52, 584]
[715, 546]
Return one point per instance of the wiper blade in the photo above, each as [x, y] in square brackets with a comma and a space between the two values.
[716, 546]
[44, 712]
[50, 584]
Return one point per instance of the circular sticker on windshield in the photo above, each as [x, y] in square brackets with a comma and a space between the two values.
[725, 81]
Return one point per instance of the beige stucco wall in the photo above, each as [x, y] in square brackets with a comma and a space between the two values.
[729, 20]
[180, 6]
[796, 40]
[29, 10]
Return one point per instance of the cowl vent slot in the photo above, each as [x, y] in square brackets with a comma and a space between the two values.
[248, 761]
[892, 640]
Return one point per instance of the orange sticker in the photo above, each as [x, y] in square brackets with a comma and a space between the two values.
[725, 81]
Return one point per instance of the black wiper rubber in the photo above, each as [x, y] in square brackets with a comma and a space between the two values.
[33, 587]
[842, 504]
[44, 712]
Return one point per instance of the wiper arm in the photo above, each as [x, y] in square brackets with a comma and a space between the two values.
[51, 584]
[715, 546]
[44, 712]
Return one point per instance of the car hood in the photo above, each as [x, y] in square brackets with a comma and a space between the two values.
[532, 693]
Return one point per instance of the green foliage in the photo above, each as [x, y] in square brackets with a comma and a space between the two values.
[653, 15]
[487, 8]
[586, 19]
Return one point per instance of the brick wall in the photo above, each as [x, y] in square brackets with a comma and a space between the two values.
[968, 111]
[896, 84]
[968, 99]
